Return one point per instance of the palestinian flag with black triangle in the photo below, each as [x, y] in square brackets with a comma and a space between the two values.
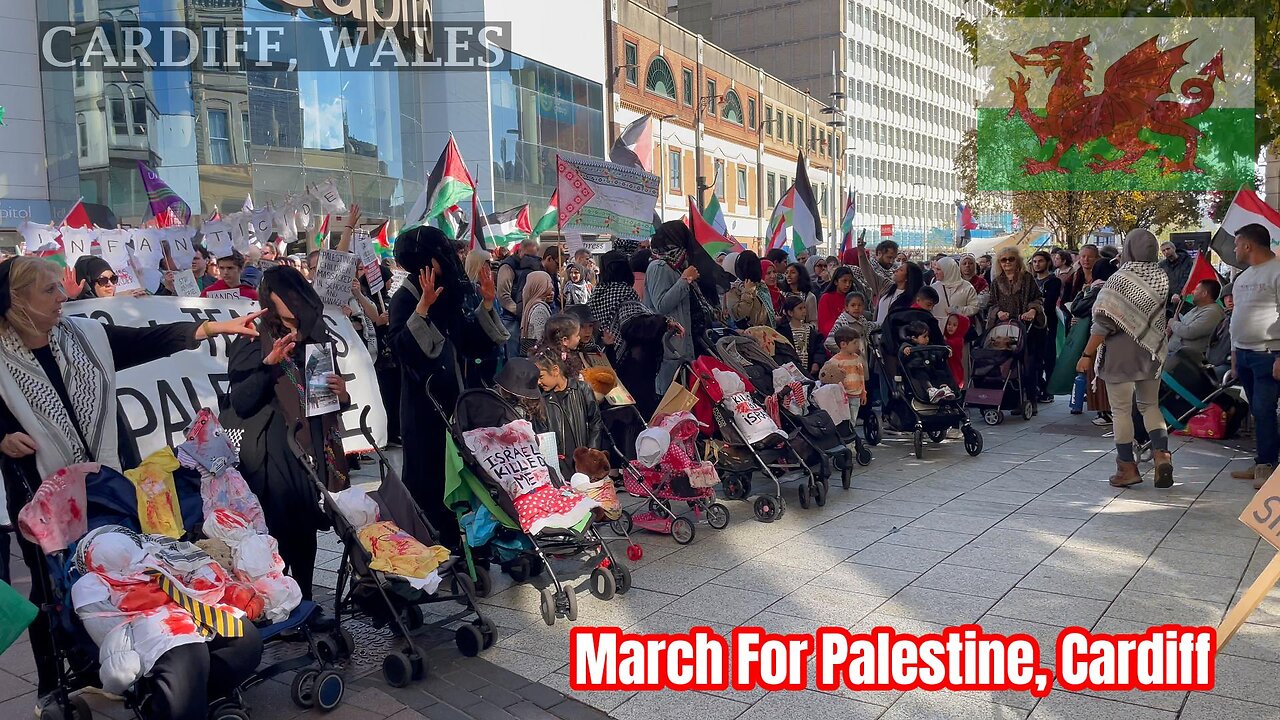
[506, 228]
[448, 185]
[550, 220]
[381, 243]
[806, 221]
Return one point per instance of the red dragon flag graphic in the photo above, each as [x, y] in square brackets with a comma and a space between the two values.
[1104, 104]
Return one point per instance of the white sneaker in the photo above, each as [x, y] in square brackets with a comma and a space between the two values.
[935, 394]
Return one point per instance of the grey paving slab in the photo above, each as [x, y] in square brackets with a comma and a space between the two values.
[968, 580]
[1061, 705]
[1200, 706]
[1047, 607]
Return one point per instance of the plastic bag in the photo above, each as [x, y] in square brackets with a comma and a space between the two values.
[258, 556]
[356, 506]
[751, 419]
[479, 525]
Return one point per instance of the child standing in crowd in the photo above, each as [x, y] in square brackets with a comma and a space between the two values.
[936, 377]
[794, 325]
[571, 409]
[953, 333]
[561, 338]
[852, 368]
[229, 269]
[854, 316]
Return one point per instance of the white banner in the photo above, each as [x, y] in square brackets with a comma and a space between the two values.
[160, 399]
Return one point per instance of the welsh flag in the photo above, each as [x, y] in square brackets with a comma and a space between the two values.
[846, 224]
[713, 213]
[712, 240]
[381, 245]
[550, 220]
[505, 228]
[166, 206]
[321, 238]
[449, 184]
[780, 221]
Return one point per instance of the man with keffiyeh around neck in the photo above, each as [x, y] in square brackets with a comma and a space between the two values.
[1129, 328]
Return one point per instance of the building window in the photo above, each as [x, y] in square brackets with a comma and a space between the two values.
[631, 53]
[742, 185]
[751, 113]
[138, 106]
[77, 11]
[768, 120]
[720, 179]
[119, 112]
[687, 76]
[77, 72]
[791, 129]
[732, 108]
[244, 136]
[772, 190]
[659, 80]
[711, 97]
[219, 138]
[82, 135]
[675, 169]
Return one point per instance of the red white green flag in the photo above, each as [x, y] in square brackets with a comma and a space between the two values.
[550, 219]
[321, 238]
[448, 185]
[707, 236]
[381, 244]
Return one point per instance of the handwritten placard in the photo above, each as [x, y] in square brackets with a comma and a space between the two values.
[232, 294]
[185, 285]
[333, 277]
[363, 244]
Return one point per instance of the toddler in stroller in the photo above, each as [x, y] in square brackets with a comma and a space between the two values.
[924, 398]
[999, 379]
[667, 470]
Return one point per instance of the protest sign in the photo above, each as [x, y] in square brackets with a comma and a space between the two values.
[604, 198]
[159, 399]
[217, 238]
[318, 367]
[78, 242]
[182, 247]
[232, 294]
[368, 257]
[241, 231]
[333, 277]
[184, 283]
[330, 201]
[39, 237]
[148, 251]
[261, 225]
[397, 279]
[1262, 515]
[115, 250]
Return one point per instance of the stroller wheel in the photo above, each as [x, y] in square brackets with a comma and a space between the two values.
[820, 493]
[1028, 410]
[418, 663]
[621, 577]
[535, 566]
[397, 670]
[660, 508]
[519, 570]
[992, 416]
[327, 649]
[302, 690]
[717, 516]
[736, 486]
[917, 442]
[682, 530]
[846, 478]
[937, 436]
[77, 708]
[570, 604]
[413, 617]
[488, 631]
[871, 426]
[972, 441]
[804, 496]
[226, 712]
[623, 525]
[469, 639]
[346, 643]
[329, 689]
[768, 508]
[483, 582]
[547, 605]
[863, 456]
[603, 584]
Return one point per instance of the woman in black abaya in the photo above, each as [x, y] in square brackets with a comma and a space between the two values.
[440, 321]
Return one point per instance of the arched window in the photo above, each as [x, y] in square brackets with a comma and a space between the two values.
[138, 109]
[732, 108]
[659, 80]
[117, 111]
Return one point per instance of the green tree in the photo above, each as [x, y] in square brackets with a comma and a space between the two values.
[1266, 38]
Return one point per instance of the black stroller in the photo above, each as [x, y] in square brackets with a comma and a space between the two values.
[387, 600]
[1000, 381]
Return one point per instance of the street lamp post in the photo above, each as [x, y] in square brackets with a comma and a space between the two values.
[662, 167]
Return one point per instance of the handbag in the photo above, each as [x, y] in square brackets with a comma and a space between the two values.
[677, 398]
[16, 614]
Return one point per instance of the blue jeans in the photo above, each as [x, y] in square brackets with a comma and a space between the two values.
[512, 324]
[1254, 370]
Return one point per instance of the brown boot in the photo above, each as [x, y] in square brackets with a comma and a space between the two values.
[1164, 468]
[1126, 474]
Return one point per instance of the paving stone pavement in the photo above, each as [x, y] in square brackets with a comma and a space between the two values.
[1027, 537]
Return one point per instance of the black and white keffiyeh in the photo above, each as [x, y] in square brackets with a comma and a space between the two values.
[605, 303]
[1135, 296]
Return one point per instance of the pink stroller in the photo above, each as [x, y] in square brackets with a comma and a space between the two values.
[669, 471]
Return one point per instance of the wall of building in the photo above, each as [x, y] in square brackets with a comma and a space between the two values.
[24, 182]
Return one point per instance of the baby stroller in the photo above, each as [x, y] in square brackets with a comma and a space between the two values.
[485, 410]
[909, 407]
[669, 478]
[999, 381]
[390, 600]
[1187, 386]
[814, 426]
[111, 499]
[773, 454]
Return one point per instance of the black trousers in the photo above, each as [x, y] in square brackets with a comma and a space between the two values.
[39, 631]
[186, 678]
[297, 544]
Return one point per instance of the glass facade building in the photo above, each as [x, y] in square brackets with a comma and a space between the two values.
[535, 111]
[216, 136]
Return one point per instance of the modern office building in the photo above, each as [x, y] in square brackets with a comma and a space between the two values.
[909, 87]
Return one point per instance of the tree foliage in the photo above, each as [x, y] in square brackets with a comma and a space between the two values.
[1266, 37]
[1072, 215]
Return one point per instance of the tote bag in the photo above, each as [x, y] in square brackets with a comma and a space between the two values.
[16, 613]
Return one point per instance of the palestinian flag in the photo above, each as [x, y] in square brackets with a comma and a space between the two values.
[550, 220]
[381, 244]
[781, 219]
[711, 240]
[452, 223]
[321, 239]
[506, 228]
[713, 213]
[1116, 104]
[166, 206]
[806, 220]
[634, 147]
[77, 217]
[449, 184]
[846, 225]
[1200, 272]
[1246, 208]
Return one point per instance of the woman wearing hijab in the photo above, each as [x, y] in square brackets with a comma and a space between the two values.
[832, 302]
[680, 283]
[908, 278]
[268, 396]
[956, 296]
[617, 286]
[639, 261]
[535, 311]
[749, 302]
[1127, 345]
[639, 352]
[576, 290]
[58, 395]
[439, 323]
[969, 271]
[769, 272]
[95, 278]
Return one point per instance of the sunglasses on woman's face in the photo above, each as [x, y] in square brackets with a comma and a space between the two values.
[106, 280]
[1007, 260]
